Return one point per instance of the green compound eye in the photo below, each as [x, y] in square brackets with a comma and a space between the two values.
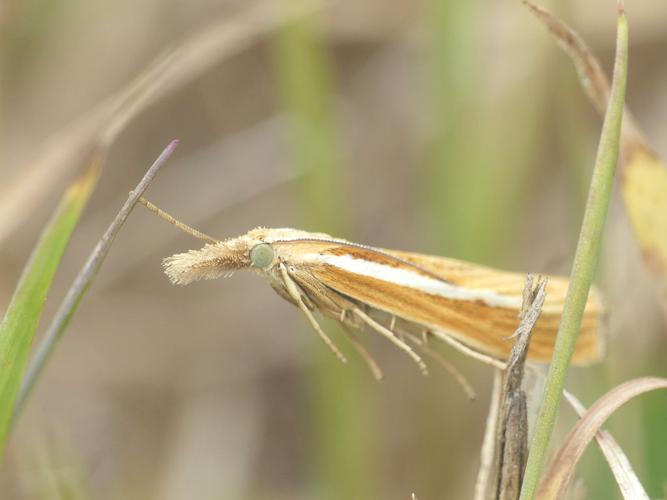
[261, 255]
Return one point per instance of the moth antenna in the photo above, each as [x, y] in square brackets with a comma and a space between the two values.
[293, 292]
[449, 367]
[183, 227]
[468, 351]
[363, 352]
[392, 337]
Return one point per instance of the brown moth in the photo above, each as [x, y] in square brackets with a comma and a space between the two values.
[406, 297]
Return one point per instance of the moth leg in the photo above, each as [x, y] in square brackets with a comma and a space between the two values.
[390, 335]
[392, 325]
[425, 336]
[363, 352]
[294, 292]
[461, 347]
[361, 349]
[450, 368]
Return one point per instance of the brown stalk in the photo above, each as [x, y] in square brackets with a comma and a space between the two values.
[504, 455]
[512, 428]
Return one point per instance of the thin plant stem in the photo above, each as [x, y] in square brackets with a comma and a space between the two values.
[585, 263]
[81, 283]
[24, 311]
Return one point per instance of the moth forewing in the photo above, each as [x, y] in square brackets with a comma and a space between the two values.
[468, 305]
[476, 305]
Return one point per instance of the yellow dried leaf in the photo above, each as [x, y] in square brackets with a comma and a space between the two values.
[644, 190]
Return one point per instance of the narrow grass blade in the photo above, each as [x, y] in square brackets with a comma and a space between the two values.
[83, 280]
[559, 473]
[643, 188]
[585, 263]
[23, 314]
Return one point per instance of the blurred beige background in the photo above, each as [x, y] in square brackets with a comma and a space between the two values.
[163, 392]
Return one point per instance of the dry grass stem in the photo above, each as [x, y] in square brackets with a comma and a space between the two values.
[626, 478]
[61, 155]
[558, 475]
[488, 451]
[504, 448]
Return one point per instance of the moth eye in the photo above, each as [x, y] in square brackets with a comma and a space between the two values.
[261, 255]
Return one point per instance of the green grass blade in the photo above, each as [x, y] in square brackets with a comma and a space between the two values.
[22, 317]
[82, 282]
[585, 264]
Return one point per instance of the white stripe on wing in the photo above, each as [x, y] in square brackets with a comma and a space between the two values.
[404, 276]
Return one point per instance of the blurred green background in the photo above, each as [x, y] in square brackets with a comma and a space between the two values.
[448, 127]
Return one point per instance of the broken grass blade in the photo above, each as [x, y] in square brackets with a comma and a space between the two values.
[512, 428]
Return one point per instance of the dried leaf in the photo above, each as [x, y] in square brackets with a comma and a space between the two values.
[643, 174]
[625, 476]
[561, 469]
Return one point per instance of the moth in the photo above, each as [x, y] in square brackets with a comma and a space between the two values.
[406, 297]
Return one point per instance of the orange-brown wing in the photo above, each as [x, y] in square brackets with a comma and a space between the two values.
[482, 324]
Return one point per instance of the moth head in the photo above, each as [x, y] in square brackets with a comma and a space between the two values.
[256, 250]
